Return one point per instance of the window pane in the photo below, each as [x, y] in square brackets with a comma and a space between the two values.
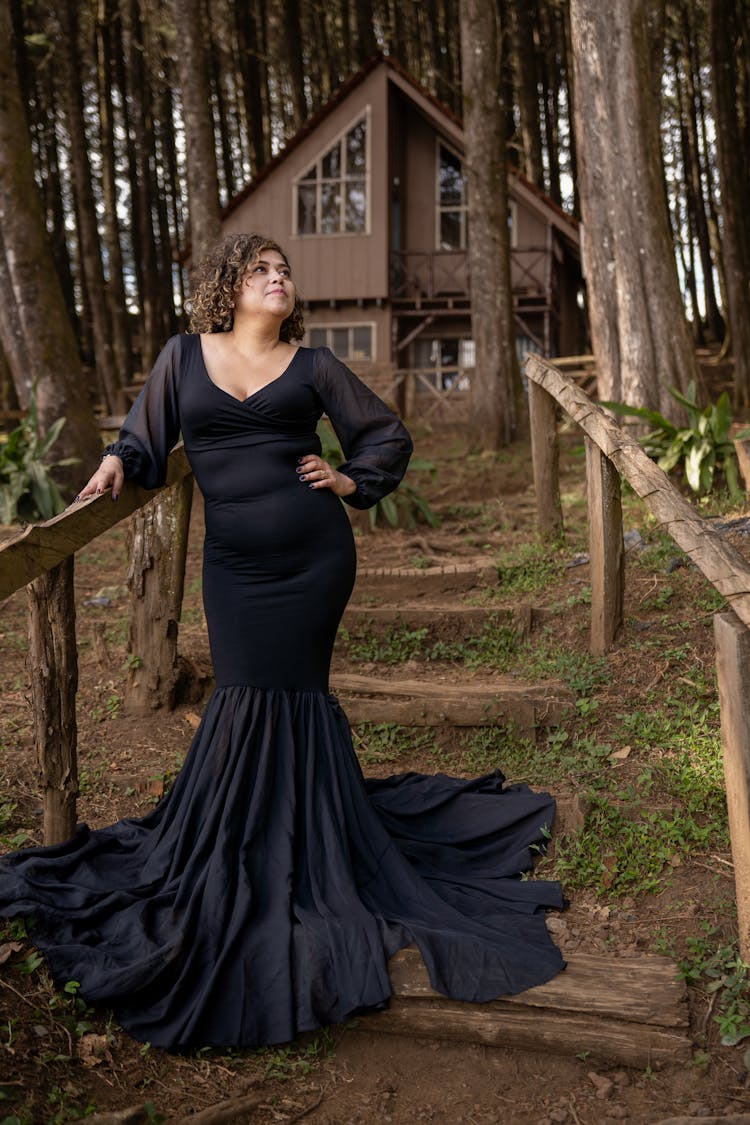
[451, 230]
[306, 209]
[312, 174]
[318, 338]
[330, 208]
[449, 353]
[340, 345]
[451, 182]
[356, 148]
[356, 209]
[331, 163]
[362, 342]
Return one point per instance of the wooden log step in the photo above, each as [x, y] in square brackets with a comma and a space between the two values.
[383, 581]
[443, 621]
[418, 703]
[630, 1010]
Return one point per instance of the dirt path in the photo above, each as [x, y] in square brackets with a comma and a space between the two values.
[635, 704]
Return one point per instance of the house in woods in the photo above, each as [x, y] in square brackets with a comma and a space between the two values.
[369, 200]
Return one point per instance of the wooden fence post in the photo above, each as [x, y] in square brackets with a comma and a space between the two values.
[733, 669]
[157, 541]
[606, 548]
[54, 682]
[545, 458]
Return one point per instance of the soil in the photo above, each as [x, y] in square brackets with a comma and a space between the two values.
[54, 1071]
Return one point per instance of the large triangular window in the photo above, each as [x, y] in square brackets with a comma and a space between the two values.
[332, 196]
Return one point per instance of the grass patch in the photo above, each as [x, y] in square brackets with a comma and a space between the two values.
[376, 743]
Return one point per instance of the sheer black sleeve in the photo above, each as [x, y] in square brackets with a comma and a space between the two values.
[375, 442]
[153, 425]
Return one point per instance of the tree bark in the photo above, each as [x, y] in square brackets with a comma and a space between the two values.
[53, 665]
[65, 28]
[200, 147]
[115, 290]
[638, 327]
[496, 382]
[527, 85]
[30, 284]
[729, 29]
[157, 542]
[249, 51]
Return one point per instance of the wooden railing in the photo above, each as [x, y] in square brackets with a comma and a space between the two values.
[611, 454]
[41, 557]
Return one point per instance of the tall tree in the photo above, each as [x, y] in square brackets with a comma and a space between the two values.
[729, 33]
[29, 282]
[524, 55]
[496, 383]
[200, 144]
[638, 327]
[69, 68]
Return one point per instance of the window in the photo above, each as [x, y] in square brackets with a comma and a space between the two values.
[347, 341]
[331, 197]
[448, 362]
[452, 214]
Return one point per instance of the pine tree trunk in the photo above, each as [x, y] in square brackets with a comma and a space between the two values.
[294, 61]
[496, 381]
[252, 81]
[200, 148]
[29, 281]
[638, 327]
[366, 45]
[729, 31]
[117, 301]
[133, 78]
[69, 70]
[524, 57]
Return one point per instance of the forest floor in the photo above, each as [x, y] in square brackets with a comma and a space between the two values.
[649, 870]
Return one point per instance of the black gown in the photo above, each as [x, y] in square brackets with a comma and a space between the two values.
[264, 894]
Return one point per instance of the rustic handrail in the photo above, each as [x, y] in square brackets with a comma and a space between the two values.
[41, 558]
[40, 546]
[609, 452]
[721, 563]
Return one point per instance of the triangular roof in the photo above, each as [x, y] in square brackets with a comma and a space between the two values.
[441, 115]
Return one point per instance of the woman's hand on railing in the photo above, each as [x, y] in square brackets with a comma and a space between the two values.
[109, 475]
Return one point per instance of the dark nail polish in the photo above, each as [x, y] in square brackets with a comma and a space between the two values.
[115, 495]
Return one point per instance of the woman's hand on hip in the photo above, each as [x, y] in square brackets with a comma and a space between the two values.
[109, 475]
[317, 473]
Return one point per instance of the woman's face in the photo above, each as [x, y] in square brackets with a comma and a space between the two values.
[266, 287]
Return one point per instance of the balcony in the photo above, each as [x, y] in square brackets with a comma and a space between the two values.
[424, 276]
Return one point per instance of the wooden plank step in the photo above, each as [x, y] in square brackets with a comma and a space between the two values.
[630, 1010]
[459, 577]
[417, 703]
[443, 621]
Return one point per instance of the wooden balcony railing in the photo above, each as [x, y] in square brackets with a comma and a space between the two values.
[431, 274]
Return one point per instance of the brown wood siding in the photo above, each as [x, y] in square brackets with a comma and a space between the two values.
[349, 314]
[337, 266]
[418, 189]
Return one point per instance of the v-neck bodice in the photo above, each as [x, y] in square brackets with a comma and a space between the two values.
[257, 391]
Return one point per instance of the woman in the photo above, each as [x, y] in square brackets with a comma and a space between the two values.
[264, 895]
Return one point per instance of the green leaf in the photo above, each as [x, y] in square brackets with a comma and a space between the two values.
[389, 510]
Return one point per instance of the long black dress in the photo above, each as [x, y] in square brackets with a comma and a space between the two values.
[265, 893]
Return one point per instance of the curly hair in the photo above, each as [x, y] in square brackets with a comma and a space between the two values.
[217, 278]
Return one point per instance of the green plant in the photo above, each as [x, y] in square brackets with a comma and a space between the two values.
[27, 489]
[397, 644]
[407, 505]
[699, 449]
[725, 975]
